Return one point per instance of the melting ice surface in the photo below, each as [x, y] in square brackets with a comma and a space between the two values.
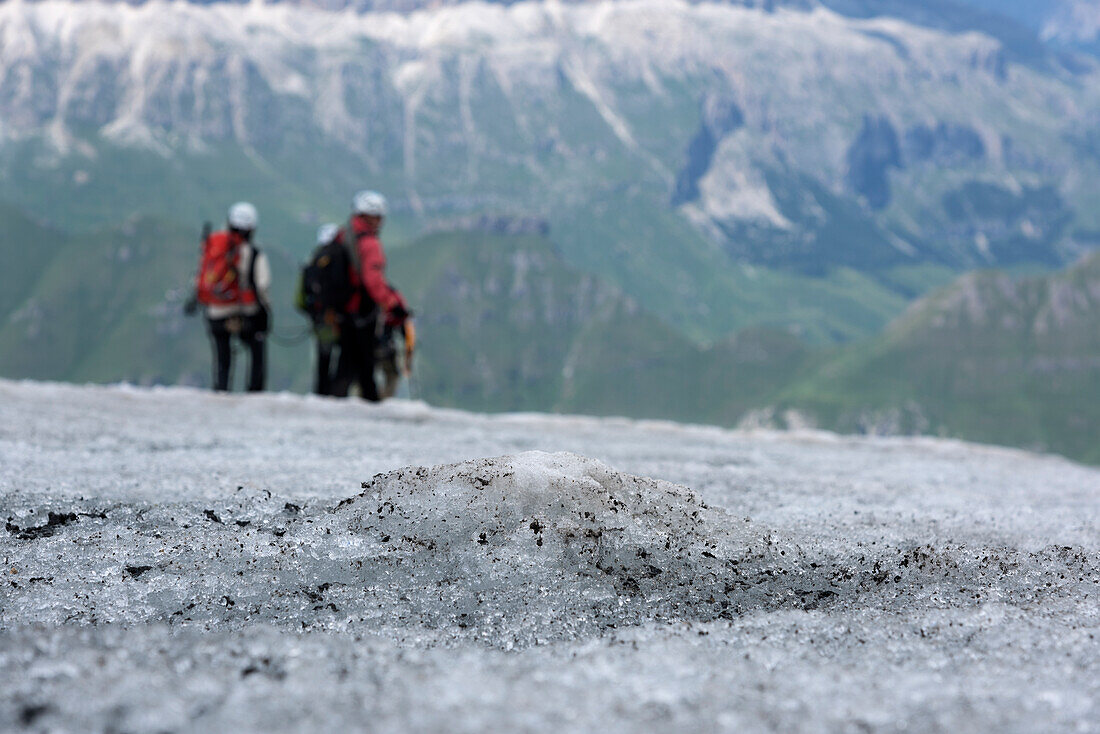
[178, 561]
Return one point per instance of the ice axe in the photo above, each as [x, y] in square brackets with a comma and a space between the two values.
[191, 305]
[410, 349]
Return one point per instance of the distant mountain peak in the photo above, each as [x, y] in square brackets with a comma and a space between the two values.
[673, 148]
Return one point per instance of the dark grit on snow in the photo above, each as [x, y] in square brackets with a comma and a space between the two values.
[183, 578]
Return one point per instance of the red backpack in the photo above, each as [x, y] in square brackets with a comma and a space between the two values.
[219, 281]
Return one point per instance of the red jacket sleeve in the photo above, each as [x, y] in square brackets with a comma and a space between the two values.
[372, 265]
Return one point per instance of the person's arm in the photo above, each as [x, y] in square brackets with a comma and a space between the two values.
[373, 272]
[399, 312]
[261, 278]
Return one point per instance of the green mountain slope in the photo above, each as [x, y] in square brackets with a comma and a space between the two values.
[989, 358]
[506, 324]
[28, 247]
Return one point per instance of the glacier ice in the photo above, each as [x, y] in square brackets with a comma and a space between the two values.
[175, 560]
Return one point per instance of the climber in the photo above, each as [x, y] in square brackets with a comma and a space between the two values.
[325, 289]
[232, 284]
[374, 300]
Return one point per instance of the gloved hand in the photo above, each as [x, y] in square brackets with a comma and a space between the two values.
[398, 314]
[191, 305]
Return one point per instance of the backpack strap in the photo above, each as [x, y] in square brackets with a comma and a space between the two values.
[263, 325]
[351, 244]
[250, 283]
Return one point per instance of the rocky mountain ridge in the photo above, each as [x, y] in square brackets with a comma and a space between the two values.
[991, 357]
[675, 149]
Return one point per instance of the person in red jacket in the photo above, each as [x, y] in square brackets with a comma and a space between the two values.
[232, 285]
[374, 300]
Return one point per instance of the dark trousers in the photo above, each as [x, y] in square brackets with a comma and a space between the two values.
[221, 333]
[356, 364]
[326, 381]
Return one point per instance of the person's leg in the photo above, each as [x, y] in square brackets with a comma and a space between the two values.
[256, 341]
[346, 362]
[324, 383]
[364, 348]
[219, 340]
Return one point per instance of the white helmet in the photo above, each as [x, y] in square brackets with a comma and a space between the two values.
[243, 216]
[370, 203]
[326, 233]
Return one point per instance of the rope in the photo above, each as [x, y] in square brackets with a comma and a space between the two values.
[284, 340]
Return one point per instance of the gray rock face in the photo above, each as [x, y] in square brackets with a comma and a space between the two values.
[875, 151]
[720, 117]
[945, 144]
[498, 225]
[581, 110]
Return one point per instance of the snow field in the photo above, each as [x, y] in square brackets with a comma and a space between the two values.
[181, 561]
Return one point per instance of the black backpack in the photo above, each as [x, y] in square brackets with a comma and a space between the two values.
[326, 285]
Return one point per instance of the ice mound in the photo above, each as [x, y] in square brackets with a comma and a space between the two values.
[555, 540]
[511, 551]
